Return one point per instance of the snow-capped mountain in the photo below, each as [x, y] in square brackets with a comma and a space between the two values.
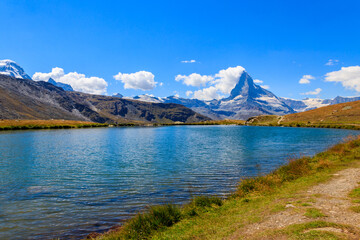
[11, 68]
[248, 99]
[118, 95]
[146, 98]
[312, 103]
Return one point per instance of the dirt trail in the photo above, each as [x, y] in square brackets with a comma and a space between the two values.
[330, 197]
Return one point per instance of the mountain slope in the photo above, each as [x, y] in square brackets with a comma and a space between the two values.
[338, 114]
[27, 99]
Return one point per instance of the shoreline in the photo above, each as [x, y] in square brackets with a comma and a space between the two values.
[16, 124]
[314, 169]
[8, 125]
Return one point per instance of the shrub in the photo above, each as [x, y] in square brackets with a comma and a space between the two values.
[141, 226]
[206, 201]
[295, 169]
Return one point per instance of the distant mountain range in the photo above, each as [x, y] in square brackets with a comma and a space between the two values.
[26, 99]
[246, 99]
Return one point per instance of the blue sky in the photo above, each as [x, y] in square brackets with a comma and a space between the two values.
[277, 42]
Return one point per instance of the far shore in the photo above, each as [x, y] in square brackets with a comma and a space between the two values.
[19, 124]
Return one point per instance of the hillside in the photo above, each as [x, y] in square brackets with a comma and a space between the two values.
[27, 99]
[339, 114]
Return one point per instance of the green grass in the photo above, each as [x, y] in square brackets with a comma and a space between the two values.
[46, 124]
[355, 193]
[310, 231]
[255, 198]
[313, 213]
[355, 209]
[306, 204]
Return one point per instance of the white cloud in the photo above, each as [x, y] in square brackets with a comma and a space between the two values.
[189, 61]
[226, 79]
[194, 79]
[161, 84]
[265, 86]
[79, 82]
[222, 82]
[349, 77]
[306, 79]
[332, 62]
[257, 81]
[188, 93]
[315, 92]
[140, 80]
[209, 93]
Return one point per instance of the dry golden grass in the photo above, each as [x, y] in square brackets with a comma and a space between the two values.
[343, 113]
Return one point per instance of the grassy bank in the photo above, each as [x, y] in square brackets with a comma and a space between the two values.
[16, 124]
[212, 122]
[256, 198]
[46, 124]
[343, 115]
[283, 121]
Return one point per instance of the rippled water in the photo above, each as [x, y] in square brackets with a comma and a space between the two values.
[67, 183]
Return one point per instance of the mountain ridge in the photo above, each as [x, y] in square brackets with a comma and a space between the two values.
[27, 99]
[246, 99]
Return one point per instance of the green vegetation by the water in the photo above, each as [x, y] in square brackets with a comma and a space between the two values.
[15, 124]
[255, 198]
[46, 124]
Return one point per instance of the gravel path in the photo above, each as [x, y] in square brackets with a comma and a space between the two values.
[331, 198]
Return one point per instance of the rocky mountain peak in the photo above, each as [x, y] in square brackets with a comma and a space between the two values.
[244, 87]
[64, 86]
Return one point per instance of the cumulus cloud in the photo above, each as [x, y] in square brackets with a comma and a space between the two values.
[140, 80]
[189, 61]
[209, 93]
[349, 77]
[315, 92]
[332, 62]
[265, 86]
[79, 82]
[257, 81]
[306, 79]
[188, 93]
[194, 79]
[226, 79]
[222, 82]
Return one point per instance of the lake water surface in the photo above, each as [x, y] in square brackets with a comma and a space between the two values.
[67, 183]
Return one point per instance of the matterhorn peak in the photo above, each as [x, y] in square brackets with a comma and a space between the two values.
[11, 68]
